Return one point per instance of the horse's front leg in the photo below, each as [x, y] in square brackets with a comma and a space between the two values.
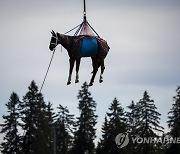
[78, 60]
[102, 70]
[71, 62]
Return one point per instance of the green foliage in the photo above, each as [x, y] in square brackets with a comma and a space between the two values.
[147, 123]
[132, 119]
[174, 122]
[11, 143]
[35, 117]
[85, 134]
[114, 124]
[64, 130]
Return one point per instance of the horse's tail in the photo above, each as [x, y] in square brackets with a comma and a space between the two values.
[103, 48]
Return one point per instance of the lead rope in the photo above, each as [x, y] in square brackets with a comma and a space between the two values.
[47, 69]
[56, 43]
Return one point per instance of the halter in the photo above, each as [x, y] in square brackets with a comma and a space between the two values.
[56, 37]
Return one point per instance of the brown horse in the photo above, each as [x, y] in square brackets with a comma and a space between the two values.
[73, 46]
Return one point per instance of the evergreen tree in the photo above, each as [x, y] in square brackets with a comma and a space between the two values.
[148, 124]
[114, 124]
[50, 117]
[11, 141]
[35, 118]
[102, 146]
[131, 117]
[64, 130]
[132, 122]
[50, 113]
[174, 122]
[85, 134]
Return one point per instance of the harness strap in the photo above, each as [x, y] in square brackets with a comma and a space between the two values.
[57, 39]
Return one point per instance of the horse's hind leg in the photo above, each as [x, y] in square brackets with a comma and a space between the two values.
[78, 60]
[93, 77]
[71, 62]
[95, 69]
[102, 70]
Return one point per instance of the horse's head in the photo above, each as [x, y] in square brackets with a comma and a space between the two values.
[54, 41]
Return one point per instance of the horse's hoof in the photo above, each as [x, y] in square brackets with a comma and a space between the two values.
[69, 82]
[76, 81]
[100, 81]
[91, 84]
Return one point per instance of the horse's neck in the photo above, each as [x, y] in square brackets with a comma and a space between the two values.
[65, 40]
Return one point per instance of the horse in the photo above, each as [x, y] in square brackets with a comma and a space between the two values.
[73, 46]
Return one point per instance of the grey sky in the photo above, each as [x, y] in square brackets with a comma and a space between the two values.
[143, 36]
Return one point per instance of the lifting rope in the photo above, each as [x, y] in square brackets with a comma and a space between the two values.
[85, 7]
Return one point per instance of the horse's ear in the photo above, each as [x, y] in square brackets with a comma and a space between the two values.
[53, 32]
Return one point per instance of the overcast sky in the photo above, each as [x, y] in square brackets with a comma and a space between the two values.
[143, 36]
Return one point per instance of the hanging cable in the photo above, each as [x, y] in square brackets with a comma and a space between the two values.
[84, 7]
[78, 26]
[72, 29]
[76, 33]
[93, 29]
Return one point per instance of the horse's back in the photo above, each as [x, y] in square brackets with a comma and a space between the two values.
[88, 46]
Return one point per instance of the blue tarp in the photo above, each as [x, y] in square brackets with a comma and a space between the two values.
[89, 47]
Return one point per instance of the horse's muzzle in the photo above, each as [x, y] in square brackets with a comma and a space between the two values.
[51, 47]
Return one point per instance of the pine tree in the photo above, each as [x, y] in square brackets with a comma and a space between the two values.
[51, 118]
[132, 122]
[174, 122]
[64, 130]
[35, 118]
[114, 124]
[11, 141]
[131, 117]
[50, 113]
[148, 123]
[103, 144]
[85, 134]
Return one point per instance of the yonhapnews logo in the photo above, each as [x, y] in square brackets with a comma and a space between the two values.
[122, 140]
